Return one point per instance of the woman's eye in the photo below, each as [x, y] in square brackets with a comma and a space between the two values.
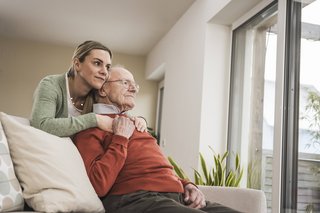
[97, 63]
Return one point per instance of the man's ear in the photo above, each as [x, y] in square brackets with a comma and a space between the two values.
[102, 91]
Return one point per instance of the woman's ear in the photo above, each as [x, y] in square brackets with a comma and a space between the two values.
[76, 64]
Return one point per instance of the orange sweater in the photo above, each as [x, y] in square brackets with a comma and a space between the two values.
[117, 165]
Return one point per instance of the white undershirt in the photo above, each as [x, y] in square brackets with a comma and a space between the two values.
[72, 110]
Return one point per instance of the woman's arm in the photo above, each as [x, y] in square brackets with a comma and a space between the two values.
[50, 110]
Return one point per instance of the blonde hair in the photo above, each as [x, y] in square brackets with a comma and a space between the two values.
[88, 104]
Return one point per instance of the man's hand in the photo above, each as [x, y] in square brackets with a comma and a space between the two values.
[193, 197]
[123, 126]
[140, 124]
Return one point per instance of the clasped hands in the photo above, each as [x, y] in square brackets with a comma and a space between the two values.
[107, 124]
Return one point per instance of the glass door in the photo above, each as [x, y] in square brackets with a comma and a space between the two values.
[308, 175]
[274, 114]
[252, 99]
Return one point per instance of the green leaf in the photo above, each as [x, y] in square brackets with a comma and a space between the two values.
[216, 179]
[220, 173]
[200, 180]
[177, 169]
[230, 178]
[224, 156]
[237, 162]
[196, 179]
[209, 182]
[204, 168]
[237, 182]
[213, 183]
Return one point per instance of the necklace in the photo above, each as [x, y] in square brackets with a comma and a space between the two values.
[74, 104]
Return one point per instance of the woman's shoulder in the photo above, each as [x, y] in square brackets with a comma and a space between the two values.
[56, 77]
[52, 82]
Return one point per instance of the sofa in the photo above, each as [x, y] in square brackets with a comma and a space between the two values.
[47, 173]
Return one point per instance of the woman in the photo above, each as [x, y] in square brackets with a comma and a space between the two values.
[63, 103]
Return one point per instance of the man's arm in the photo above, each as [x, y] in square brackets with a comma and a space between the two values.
[103, 166]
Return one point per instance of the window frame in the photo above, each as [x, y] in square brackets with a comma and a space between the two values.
[290, 140]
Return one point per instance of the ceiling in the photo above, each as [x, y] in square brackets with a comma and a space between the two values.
[126, 26]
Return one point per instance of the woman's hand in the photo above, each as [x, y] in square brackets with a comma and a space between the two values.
[140, 123]
[104, 122]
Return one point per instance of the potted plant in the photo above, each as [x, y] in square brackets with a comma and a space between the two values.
[217, 175]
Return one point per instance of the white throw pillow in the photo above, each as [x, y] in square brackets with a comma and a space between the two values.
[10, 191]
[50, 170]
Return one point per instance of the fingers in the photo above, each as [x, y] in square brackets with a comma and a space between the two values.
[196, 201]
[123, 126]
[187, 197]
[193, 197]
[140, 124]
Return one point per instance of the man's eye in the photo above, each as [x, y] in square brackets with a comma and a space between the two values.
[125, 83]
[97, 63]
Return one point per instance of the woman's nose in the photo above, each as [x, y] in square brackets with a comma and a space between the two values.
[104, 71]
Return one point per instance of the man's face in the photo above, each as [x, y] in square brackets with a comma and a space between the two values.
[120, 89]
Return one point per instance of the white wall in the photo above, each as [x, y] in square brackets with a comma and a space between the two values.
[22, 65]
[215, 93]
[196, 83]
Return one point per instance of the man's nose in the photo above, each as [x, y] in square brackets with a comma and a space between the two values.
[133, 89]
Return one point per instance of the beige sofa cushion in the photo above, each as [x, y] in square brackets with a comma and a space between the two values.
[241, 199]
[50, 170]
[10, 191]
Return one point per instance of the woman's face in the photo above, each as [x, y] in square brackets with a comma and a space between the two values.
[94, 69]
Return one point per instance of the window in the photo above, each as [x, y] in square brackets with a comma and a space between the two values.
[303, 181]
[253, 103]
[252, 96]
[159, 111]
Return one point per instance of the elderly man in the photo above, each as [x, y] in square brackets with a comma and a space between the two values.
[127, 168]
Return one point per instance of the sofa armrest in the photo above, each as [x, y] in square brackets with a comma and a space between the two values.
[240, 199]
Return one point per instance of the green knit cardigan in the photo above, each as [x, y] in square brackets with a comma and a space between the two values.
[50, 109]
